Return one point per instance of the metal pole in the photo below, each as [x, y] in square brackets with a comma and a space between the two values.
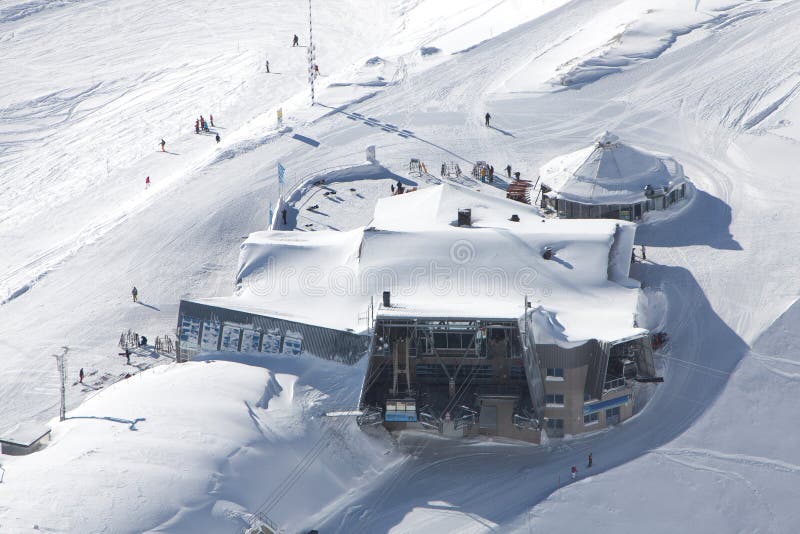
[62, 372]
[312, 74]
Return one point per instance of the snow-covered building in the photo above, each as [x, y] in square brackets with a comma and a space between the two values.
[611, 180]
[491, 319]
[531, 327]
[24, 438]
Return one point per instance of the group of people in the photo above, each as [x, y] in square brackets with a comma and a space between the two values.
[574, 471]
[201, 124]
[487, 174]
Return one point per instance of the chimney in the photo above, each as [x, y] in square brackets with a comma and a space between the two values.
[387, 303]
[465, 217]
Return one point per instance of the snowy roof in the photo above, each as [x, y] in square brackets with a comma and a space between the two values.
[435, 268]
[24, 434]
[610, 172]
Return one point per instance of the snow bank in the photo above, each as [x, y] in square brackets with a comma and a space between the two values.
[190, 447]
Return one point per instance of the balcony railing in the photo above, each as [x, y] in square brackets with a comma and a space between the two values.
[614, 383]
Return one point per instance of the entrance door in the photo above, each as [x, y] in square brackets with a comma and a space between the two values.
[488, 419]
[612, 416]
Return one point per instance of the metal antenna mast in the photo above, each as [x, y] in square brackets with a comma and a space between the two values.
[62, 373]
[312, 73]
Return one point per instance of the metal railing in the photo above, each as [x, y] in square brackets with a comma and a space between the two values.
[614, 383]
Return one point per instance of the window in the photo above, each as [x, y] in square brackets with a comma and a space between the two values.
[517, 371]
[591, 419]
[555, 428]
[555, 373]
[554, 399]
[612, 416]
[555, 424]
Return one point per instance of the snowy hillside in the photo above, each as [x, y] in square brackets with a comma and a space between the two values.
[91, 89]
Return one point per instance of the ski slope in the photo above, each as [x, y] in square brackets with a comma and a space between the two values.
[98, 84]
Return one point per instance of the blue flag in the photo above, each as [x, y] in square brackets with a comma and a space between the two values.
[281, 174]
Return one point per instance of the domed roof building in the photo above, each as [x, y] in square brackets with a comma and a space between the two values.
[611, 180]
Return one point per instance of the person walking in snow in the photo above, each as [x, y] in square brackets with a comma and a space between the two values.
[217, 138]
[508, 170]
[491, 174]
[147, 182]
[296, 41]
[197, 126]
[590, 460]
[573, 472]
[266, 64]
[487, 118]
[80, 375]
[163, 144]
[202, 123]
[135, 294]
[211, 120]
[316, 70]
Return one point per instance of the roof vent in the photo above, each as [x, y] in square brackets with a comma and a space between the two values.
[548, 253]
[514, 218]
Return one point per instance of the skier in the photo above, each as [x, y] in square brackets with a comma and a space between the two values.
[197, 126]
[202, 123]
[483, 174]
[590, 460]
[147, 182]
[644, 254]
[508, 170]
[296, 41]
[217, 138]
[316, 69]
[392, 188]
[135, 294]
[80, 374]
[487, 118]
[211, 118]
[283, 214]
[266, 64]
[573, 472]
[163, 144]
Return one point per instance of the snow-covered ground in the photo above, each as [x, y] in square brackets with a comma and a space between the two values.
[96, 85]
